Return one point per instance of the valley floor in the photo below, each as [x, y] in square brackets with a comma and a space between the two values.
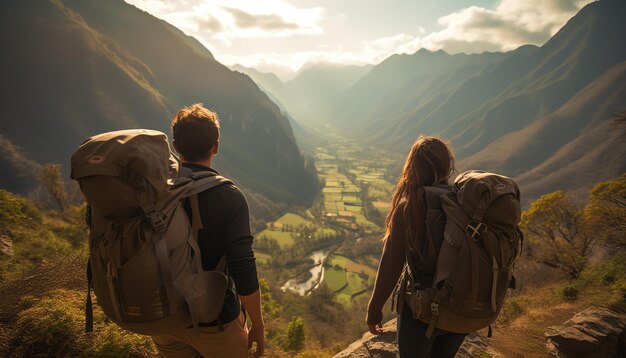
[354, 199]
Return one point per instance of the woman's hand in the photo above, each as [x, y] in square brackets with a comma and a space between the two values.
[375, 329]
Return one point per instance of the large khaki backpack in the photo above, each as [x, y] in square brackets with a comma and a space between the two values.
[144, 261]
[474, 228]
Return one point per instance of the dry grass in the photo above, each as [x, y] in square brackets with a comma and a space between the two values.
[520, 330]
[60, 272]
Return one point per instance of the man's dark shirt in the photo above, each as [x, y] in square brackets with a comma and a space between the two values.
[226, 230]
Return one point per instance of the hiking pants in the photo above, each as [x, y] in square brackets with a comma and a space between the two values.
[206, 342]
[412, 341]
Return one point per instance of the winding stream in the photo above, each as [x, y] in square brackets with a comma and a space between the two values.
[317, 275]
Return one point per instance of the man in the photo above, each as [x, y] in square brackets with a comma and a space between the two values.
[226, 223]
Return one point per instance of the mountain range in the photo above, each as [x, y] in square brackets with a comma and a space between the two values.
[75, 68]
[541, 114]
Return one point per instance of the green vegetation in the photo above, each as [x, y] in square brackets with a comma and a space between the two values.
[557, 234]
[295, 335]
[34, 235]
[569, 293]
[55, 324]
[347, 278]
[335, 278]
[563, 235]
[292, 220]
[606, 212]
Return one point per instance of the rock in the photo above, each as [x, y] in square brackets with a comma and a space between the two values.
[382, 346]
[385, 345]
[594, 332]
[476, 345]
[6, 246]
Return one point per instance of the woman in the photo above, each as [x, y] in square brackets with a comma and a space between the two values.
[430, 162]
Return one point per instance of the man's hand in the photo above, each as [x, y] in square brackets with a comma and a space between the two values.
[375, 329]
[252, 304]
[256, 334]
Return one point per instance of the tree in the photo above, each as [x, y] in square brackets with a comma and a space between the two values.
[606, 212]
[52, 181]
[295, 335]
[557, 233]
[269, 305]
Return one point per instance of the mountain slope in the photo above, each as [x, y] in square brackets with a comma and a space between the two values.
[528, 113]
[76, 68]
[581, 144]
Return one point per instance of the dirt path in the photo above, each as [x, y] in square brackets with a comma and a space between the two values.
[525, 336]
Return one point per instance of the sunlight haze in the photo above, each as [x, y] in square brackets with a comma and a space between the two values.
[282, 36]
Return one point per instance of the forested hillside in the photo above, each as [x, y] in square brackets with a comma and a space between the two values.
[72, 69]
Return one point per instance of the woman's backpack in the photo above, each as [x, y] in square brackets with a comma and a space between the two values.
[144, 261]
[474, 226]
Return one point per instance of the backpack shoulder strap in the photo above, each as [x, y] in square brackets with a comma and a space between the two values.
[205, 182]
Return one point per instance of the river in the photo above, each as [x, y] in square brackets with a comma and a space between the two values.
[317, 275]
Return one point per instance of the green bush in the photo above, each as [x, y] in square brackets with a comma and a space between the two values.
[608, 272]
[16, 210]
[512, 310]
[295, 335]
[54, 326]
[569, 293]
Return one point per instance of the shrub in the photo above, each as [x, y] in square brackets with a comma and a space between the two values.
[54, 326]
[295, 335]
[15, 210]
[512, 310]
[569, 293]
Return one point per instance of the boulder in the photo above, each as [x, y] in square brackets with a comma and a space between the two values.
[385, 345]
[6, 246]
[594, 332]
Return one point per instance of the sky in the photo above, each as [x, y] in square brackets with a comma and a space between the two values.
[284, 36]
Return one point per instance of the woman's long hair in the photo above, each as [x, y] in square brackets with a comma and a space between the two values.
[429, 162]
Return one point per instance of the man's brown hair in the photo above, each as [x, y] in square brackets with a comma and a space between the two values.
[196, 130]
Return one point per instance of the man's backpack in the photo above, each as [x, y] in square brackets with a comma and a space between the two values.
[144, 261]
[474, 228]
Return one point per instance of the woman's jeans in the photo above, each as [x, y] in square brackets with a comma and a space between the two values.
[412, 341]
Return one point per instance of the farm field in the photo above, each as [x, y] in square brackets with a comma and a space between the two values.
[290, 226]
[347, 278]
[284, 239]
[354, 186]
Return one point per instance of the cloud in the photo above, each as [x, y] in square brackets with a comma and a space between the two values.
[503, 27]
[270, 22]
[512, 23]
[226, 20]
[210, 23]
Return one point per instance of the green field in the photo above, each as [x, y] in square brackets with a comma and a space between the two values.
[355, 284]
[362, 220]
[262, 257]
[293, 220]
[332, 190]
[351, 199]
[334, 278]
[338, 260]
[284, 239]
[349, 278]
[353, 208]
[321, 231]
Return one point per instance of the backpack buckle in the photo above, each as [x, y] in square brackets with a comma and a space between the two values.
[434, 308]
[474, 230]
[155, 219]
